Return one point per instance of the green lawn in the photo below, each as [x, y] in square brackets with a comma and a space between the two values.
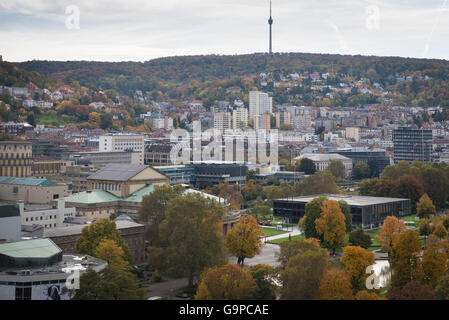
[272, 231]
[279, 241]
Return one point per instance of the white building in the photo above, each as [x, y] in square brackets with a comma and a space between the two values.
[47, 217]
[123, 142]
[240, 118]
[259, 103]
[9, 223]
[322, 161]
[222, 121]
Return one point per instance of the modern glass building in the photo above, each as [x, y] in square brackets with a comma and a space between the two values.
[412, 144]
[369, 212]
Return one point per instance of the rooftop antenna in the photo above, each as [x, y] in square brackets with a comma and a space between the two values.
[270, 22]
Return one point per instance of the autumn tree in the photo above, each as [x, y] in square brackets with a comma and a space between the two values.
[434, 265]
[355, 261]
[412, 290]
[424, 228]
[95, 233]
[312, 213]
[405, 261]
[360, 238]
[228, 282]
[192, 231]
[367, 295]
[440, 231]
[442, 289]
[110, 252]
[302, 276]
[153, 209]
[331, 225]
[390, 229]
[264, 275]
[245, 239]
[113, 283]
[337, 168]
[335, 285]
[425, 207]
[288, 249]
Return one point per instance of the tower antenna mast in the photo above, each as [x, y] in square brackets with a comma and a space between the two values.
[270, 22]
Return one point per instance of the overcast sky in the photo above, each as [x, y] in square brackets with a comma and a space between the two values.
[140, 30]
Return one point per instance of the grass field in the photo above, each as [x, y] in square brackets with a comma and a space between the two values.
[279, 241]
[272, 232]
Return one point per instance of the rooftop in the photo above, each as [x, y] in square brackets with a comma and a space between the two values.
[9, 210]
[26, 181]
[117, 172]
[77, 229]
[37, 248]
[352, 200]
[90, 197]
[323, 156]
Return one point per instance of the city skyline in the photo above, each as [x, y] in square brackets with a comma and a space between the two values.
[141, 31]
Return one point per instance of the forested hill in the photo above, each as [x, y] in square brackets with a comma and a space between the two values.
[13, 76]
[210, 67]
[181, 76]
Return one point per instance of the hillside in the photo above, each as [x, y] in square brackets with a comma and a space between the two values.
[187, 76]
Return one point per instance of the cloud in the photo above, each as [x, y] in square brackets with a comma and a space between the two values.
[118, 30]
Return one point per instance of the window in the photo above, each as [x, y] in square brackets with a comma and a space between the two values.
[23, 293]
[15, 190]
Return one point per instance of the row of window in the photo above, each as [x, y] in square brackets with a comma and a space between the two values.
[107, 186]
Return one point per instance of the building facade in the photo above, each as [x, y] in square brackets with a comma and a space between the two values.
[412, 144]
[16, 158]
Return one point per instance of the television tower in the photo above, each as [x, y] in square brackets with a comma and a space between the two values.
[270, 22]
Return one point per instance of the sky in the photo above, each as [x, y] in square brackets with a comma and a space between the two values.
[141, 30]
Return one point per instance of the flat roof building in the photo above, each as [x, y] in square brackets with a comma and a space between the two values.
[369, 212]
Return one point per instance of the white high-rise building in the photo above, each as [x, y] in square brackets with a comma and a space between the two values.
[259, 103]
[222, 121]
[240, 118]
[123, 142]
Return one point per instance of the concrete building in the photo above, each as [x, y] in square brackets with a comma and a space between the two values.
[262, 122]
[47, 216]
[283, 118]
[240, 118]
[37, 270]
[369, 212]
[123, 142]
[158, 154]
[412, 144]
[31, 190]
[15, 158]
[375, 158]
[322, 161]
[259, 103]
[9, 223]
[353, 133]
[222, 121]
[133, 234]
[101, 159]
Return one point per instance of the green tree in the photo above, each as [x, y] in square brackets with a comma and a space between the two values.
[318, 183]
[192, 230]
[307, 166]
[302, 276]
[264, 275]
[346, 210]
[361, 171]
[288, 249]
[360, 238]
[95, 233]
[337, 168]
[312, 213]
[425, 207]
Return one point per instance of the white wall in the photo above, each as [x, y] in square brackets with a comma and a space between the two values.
[10, 229]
